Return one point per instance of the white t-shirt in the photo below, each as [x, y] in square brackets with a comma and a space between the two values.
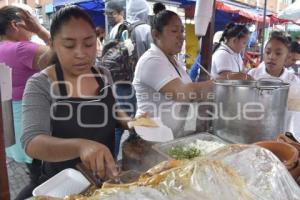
[154, 71]
[225, 59]
[261, 72]
[290, 70]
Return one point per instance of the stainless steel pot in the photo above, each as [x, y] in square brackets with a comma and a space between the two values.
[249, 111]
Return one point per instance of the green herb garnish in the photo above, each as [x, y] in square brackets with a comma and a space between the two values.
[180, 152]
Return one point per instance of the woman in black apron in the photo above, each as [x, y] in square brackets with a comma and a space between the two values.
[85, 122]
[81, 126]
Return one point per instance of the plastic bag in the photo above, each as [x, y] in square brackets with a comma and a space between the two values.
[234, 172]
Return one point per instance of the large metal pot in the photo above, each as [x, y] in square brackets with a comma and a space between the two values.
[249, 111]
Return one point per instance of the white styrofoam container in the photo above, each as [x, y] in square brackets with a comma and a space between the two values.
[66, 182]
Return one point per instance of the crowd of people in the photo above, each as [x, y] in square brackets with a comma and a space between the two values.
[72, 99]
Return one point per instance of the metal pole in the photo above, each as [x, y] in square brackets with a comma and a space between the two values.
[4, 188]
[263, 34]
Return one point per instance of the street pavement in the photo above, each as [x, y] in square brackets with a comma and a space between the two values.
[18, 177]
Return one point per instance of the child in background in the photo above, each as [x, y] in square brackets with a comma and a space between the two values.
[227, 58]
[275, 56]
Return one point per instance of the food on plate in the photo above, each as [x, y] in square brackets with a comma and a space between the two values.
[145, 121]
[180, 152]
[192, 150]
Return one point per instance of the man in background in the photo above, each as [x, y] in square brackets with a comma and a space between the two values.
[114, 10]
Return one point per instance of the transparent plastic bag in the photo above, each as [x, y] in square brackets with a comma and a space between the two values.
[234, 172]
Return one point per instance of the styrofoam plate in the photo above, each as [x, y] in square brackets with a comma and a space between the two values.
[66, 182]
[162, 133]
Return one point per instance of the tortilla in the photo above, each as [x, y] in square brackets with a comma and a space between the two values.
[143, 121]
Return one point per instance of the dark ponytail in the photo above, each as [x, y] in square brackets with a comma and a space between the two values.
[232, 30]
[162, 19]
[157, 7]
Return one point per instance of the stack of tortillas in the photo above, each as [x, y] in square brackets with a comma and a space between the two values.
[143, 121]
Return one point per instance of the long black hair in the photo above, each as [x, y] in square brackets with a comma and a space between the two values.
[8, 14]
[232, 30]
[65, 14]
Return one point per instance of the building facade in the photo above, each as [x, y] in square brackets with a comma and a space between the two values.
[42, 8]
[272, 5]
[31, 3]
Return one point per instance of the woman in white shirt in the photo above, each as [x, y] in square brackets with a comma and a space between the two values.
[226, 58]
[160, 82]
[275, 56]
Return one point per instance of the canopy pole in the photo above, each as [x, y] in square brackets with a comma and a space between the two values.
[4, 188]
[263, 33]
[206, 43]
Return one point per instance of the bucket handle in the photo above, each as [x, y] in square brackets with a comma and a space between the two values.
[258, 86]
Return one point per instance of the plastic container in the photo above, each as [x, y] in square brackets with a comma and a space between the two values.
[163, 148]
[66, 182]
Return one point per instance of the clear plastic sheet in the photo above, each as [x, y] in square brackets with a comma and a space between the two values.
[235, 172]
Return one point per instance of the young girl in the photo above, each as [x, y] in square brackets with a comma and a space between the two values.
[275, 56]
[226, 58]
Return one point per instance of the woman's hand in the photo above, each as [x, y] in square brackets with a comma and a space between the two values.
[130, 123]
[97, 157]
[30, 23]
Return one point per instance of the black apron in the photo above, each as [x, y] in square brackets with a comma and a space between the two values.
[95, 120]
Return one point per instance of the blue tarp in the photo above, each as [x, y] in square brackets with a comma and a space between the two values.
[222, 18]
[95, 8]
[185, 2]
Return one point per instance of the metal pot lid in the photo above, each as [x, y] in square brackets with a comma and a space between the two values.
[261, 83]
